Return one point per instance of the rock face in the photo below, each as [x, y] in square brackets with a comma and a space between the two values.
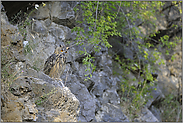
[18, 102]
[57, 104]
[31, 95]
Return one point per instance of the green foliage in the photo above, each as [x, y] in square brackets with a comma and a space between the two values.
[173, 57]
[88, 62]
[107, 19]
[138, 95]
[117, 18]
[102, 24]
[171, 109]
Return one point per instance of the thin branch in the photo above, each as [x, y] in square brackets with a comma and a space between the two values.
[96, 14]
[153, 40]
[171, 112]
[118, 9]
[76, 4]
[97, 10]
[177, 119]
[172, 4]
[127, 22]
[76, 44]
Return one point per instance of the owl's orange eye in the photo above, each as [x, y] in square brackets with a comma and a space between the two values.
[65, 51]
[61, 50]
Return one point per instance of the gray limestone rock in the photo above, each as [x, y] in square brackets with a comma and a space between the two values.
[111, 113]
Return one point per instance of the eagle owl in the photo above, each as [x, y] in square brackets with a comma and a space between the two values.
[55, 64]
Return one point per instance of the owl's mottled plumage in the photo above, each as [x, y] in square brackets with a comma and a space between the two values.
[55, 64]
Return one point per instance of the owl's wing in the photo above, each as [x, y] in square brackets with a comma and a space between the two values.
[50, 62]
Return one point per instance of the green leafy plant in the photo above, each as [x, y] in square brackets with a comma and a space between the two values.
[101, 23]
[171, 109]
[116, 18]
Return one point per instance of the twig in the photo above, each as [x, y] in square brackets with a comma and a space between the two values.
[153, 40]
[171, 111]
[140, 67]
[177, 119]
[76, 4]
[97, 10]
[172, 4]
[127, 22]
[76, 44]
[96, 14]
[118, 9]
